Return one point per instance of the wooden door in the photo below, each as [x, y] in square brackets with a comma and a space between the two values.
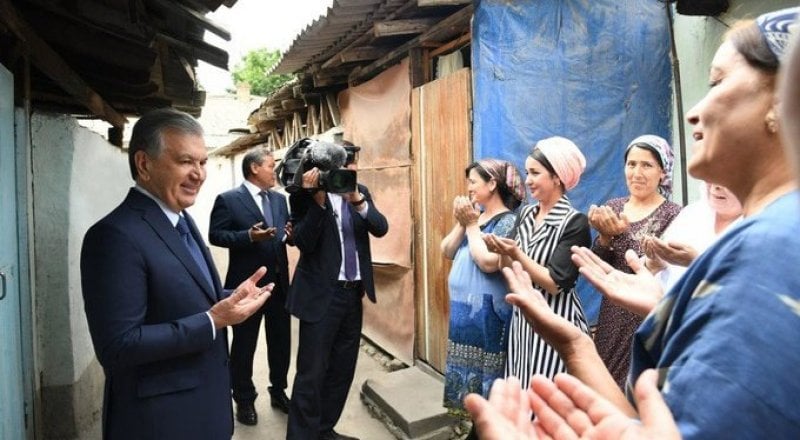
[12, 411]
[441, 127]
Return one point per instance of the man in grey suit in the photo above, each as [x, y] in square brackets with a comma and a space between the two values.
[156, 311]
[251, 221]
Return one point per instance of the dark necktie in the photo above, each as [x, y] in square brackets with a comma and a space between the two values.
[349, 242]
[266, 209]
[194, 249]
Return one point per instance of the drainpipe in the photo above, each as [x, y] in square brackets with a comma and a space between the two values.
[676, 74]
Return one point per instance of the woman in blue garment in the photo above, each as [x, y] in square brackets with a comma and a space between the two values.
[479, 315]
[723, 340]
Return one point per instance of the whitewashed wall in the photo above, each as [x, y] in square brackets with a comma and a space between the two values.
[78, 177]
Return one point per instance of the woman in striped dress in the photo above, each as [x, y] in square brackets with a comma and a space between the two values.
[546, 231]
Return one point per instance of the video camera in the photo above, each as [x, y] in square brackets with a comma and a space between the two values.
[329, 158]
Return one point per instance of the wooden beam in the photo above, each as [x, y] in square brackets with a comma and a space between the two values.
[333, 108]
[418, 70]
[367, 36]
[193, 16]
[52, 65]
[298, 122]
[197, 49]
[451, 26]
[390, 28]
[326, 81]
[312, 122]
[266, 126]
[276, 137]
[451, 46]
[430, 3]
[293, 104]
[324, 116]
[354, 55]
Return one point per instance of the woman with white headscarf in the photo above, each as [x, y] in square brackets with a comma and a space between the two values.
[721, 345]
[545, 232]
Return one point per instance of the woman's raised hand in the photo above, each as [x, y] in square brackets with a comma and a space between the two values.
[464, 212]
[672, 252]
[552, 327]
[638, 292]
[607, 222]
[500, 245]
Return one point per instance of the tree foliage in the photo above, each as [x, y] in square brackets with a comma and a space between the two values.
[253, 69]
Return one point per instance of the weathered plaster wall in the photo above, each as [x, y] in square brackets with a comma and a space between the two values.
[77, 178]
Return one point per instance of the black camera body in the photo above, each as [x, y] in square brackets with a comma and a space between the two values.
[329, 158]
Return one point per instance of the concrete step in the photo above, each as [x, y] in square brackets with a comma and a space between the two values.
[411, 400]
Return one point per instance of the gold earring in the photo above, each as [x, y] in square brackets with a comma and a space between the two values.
[771, 122]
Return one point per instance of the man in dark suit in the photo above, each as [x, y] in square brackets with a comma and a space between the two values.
[333, 273]
[251, 222]
[156, 311]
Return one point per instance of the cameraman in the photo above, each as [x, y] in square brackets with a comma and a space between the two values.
[333, 273]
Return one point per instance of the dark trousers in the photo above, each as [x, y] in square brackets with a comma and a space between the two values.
[245, 337]
[326, 363]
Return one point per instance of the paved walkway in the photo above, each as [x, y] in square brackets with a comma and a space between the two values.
[355, 421]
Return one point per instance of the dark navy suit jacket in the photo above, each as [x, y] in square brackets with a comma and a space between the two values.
[146, 301]
[316, 235]
[234, 212]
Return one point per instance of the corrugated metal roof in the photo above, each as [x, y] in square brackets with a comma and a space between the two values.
[343, 23]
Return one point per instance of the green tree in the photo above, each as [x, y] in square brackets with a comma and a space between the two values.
[253, 69]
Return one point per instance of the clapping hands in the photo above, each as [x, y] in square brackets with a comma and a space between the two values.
[638, 292]
[566, 408]
[464, 211]
[670, 252]
[607, 222]
[245, 300]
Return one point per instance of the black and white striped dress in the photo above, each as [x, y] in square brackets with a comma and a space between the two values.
[548, 245]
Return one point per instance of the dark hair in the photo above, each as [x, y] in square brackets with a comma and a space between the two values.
[255, 156]
[747, 39]
[538, 156]
[649, 148]
[148, 132]
[508, 198]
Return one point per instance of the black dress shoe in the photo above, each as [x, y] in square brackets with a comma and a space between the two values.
[246, 413]
[279, 400]
[333, 435]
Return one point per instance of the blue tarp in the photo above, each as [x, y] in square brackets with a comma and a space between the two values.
[594, 71]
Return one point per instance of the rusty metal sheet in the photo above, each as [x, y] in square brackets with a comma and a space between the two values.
[375, 116]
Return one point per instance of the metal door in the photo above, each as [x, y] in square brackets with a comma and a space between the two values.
[442, 144]
[12, 414]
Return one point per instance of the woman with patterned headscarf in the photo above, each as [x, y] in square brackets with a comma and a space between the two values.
[623, 224]
[546, 231]
[476, 350]
[721, 345]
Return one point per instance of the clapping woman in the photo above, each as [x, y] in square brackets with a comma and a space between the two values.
[479, 315]
[723, 340]
[545, 233]
[624, 223]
